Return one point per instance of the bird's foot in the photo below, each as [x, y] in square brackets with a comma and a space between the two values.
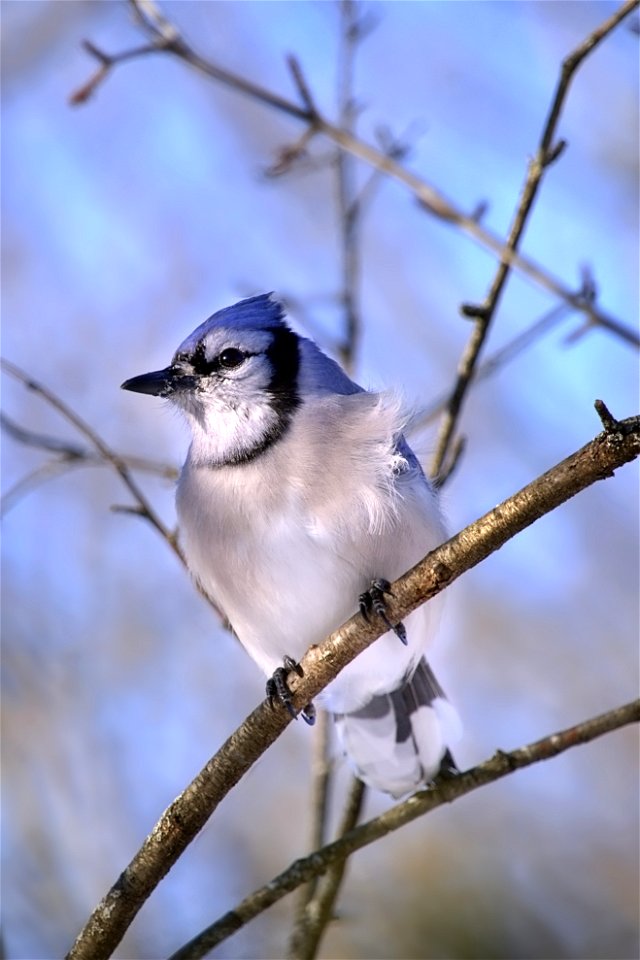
[449, 769]
[374, 599]
[278, 691]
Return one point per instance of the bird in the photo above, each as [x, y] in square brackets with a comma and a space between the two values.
[299, 502]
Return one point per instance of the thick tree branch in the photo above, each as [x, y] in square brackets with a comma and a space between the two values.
[167, 39]
[445, 791]
[179, 824]
[483, 314]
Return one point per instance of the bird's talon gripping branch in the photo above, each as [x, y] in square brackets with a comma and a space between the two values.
[278, 691]
[374, 599]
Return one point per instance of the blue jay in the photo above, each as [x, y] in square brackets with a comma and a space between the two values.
[300, 499]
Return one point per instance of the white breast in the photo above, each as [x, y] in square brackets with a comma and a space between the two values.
[285, 546]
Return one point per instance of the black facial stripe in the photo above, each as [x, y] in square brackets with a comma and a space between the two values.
[247, 455]
[284, 356]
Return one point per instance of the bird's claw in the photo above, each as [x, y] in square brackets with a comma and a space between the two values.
[374, 599]
[278, 691]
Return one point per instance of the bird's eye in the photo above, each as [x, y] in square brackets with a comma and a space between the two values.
[230, 358]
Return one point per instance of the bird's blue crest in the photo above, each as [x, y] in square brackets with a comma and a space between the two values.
[254, 313]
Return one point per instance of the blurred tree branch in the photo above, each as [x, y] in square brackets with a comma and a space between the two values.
[99, 445]
[496, 361]
[67, 455]
[618, 444]
[166, 38]
[482, 314]
[444, 791]
[70, 454]
[318, 909]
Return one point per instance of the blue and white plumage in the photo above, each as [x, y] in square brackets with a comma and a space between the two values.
[298, 492]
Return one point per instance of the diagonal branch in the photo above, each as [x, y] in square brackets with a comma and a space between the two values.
[495, 361]
[120, 464]
[546, 153]
[168, 40]
[102, 448]
[185, 817]
[445, 791]
[67, 455]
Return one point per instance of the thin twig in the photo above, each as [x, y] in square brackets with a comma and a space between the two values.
[106, 63]
[428, 196]
[100, 445]
[348, 204]
[186, 816]
[547, 152]
[72, 454]
[502, 764]
[321, 769]
[319, 910]
[36, 478]
[119, 463]
[496, 361]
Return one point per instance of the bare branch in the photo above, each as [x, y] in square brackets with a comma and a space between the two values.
[102, 448]
[429, 197]
[512, 349]
[106, 63]
[318, 911]
[183, 819]
[303, 89]
[546, 154]
[349, 206]
[31, 481]
[501, 765]
[72, 454]
[321, 770]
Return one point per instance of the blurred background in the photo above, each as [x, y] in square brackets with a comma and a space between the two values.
[129, 220]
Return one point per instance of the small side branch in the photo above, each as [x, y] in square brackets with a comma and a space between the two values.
[66, 456]
[500, 765]
[99, 445]
[496, 361]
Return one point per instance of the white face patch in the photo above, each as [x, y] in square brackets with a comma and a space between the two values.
[239, 390]
[231, 413]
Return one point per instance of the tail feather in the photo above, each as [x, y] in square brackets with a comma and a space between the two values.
[398, 741]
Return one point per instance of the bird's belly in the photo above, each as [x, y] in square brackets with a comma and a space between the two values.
[285, 584]
[282, 590]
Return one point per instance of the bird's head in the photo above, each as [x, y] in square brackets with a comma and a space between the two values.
[236, 380]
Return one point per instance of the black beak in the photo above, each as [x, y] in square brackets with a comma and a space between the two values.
[160, 383]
